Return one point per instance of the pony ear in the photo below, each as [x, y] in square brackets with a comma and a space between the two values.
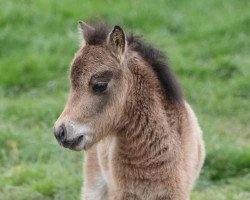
[85, 29]
[117, 42]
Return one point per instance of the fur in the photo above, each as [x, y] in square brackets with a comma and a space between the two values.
[155, 58]
[144, 140]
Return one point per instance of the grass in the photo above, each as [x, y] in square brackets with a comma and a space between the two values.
[207, 43]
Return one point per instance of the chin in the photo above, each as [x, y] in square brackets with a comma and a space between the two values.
[76, 146]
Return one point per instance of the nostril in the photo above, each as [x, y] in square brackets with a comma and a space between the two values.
[61, 133]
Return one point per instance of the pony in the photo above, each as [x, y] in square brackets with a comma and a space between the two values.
[126, 110]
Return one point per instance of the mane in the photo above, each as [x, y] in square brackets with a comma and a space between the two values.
[98, 35]
[156, 59]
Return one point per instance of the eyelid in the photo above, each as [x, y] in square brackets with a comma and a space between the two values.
[104, 76]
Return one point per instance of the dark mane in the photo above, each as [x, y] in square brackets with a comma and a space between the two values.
[154, 57]
[158, 61]
[98, 35]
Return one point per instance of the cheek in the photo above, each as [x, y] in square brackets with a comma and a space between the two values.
[99, 104]
[87, 108]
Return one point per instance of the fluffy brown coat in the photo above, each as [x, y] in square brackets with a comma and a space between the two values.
[142, 140]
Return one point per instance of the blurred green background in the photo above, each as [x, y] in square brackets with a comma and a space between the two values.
[208, 45]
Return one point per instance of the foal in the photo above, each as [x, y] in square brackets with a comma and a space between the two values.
[126, 109]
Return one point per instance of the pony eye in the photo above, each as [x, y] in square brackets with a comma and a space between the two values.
[100, 87]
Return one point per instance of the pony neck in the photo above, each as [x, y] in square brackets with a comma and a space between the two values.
[150, 127]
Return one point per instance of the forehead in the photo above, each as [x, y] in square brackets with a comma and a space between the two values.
[91, 59]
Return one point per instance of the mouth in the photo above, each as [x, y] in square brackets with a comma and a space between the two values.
[77, 144]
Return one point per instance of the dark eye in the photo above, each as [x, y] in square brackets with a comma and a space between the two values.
[100, 87]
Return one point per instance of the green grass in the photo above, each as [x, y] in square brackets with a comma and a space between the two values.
[208, 45]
